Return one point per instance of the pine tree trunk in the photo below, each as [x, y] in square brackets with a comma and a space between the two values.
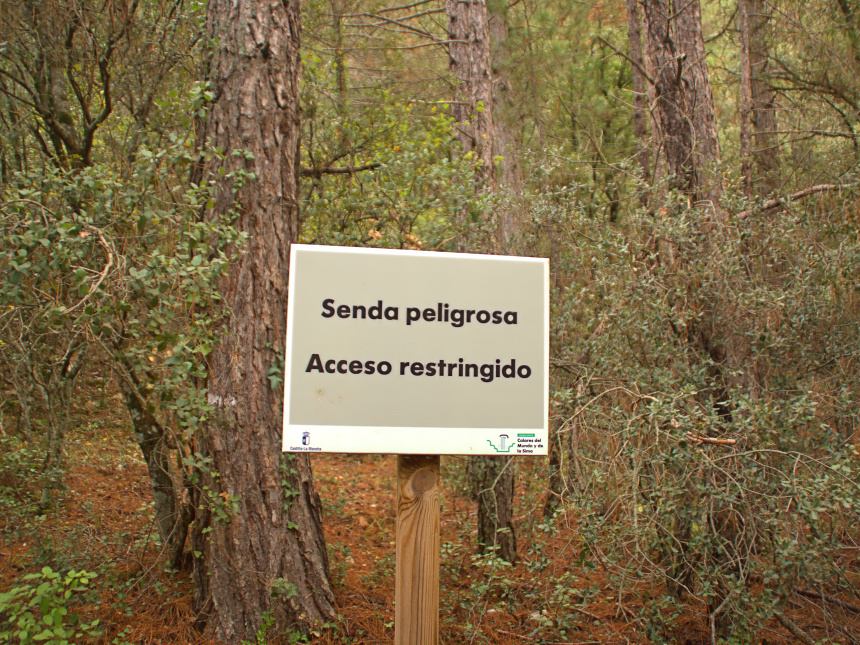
[469, 62]
[685, 126]
[765, 141]
[490, 478]
[640, 93]
[258, 527]
[509, 175]
[745, 116]
[684, 116]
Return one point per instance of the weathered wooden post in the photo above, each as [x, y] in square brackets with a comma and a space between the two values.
[416, 594]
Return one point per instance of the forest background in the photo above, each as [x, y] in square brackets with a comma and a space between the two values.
[689, 171]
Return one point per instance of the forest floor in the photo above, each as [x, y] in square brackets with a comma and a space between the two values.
[103, 523]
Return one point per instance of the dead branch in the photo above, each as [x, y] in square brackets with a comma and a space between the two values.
[337, 170]
[776, 202]
[108, 266]
[712, 440]
[796, 631]
[827, 598]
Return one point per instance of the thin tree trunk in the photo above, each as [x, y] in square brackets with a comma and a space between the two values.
[745, 116]
[509, 174]
[765, 142]
[172, 516]
[555, 484]
[491, 478]
[492, 486]
[685, 124]
[258, 526]
[640, 94]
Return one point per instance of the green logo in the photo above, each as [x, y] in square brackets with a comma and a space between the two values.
[503, 446]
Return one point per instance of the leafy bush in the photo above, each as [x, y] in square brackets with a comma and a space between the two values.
[708, 409]
[38, 609]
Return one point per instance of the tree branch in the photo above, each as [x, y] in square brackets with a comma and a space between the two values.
[337, 170]
[831, 599]
[791, 626]
[776, 202]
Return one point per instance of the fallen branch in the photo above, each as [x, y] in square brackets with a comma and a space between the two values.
[585, 613]
[831, 599]
[525, 638]
[796, 631]
[776, 202]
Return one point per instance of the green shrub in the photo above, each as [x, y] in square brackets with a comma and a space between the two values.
[38, 609]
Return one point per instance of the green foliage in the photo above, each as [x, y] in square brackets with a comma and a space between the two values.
[411, 182]
[715, 411]
[129, 273]
[282, 588]
[288, 474]
[19, 467]
[37, 610]
[223, 505]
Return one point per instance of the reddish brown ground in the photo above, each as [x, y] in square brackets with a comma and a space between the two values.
[103, 524]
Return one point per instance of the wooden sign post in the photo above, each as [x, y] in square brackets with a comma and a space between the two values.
[416, 593]
[419, 355]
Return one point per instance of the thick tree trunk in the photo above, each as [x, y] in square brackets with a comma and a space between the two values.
[469, 62]
[258, 526]
[684, 112]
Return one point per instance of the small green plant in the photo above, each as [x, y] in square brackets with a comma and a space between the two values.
[224, 506]
[260, 636]
[37, 610]
[282, 588]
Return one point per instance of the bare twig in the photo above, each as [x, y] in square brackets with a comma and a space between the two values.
[585, 613]
[525, 638]
[108, 266]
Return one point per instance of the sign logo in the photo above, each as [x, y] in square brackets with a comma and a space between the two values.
[504, 446]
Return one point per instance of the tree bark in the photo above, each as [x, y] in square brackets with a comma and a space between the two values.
[509, 176]
[172, 515]
[469, 62]
[640, 94]
[684, 112]
[490, 478]
[765, 142]
[685, 126]
[745, 116]
[258, 526]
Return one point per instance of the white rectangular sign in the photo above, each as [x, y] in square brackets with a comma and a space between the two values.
[411, 352]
